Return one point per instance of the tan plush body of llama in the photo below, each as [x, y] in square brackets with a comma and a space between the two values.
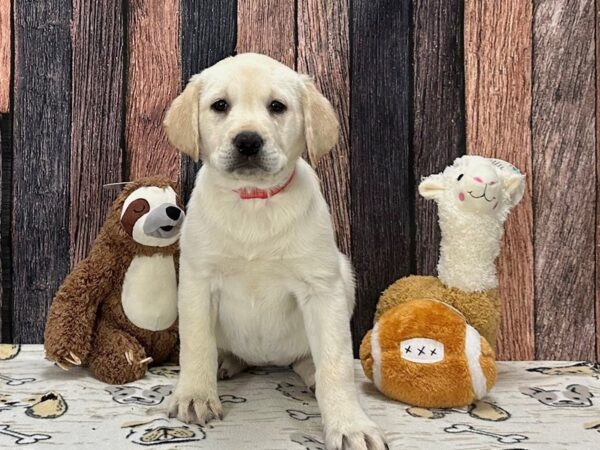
[433, 340]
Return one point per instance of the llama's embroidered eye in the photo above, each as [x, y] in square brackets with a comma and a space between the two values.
[460, 177]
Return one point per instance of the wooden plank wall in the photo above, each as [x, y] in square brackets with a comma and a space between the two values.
[382, 226]
[438, 111]
[208, 33]
[498, 97]
[153, 80]
[41, 156]
[98, 33]
[5, 164]
[84, 86]
[564, 185]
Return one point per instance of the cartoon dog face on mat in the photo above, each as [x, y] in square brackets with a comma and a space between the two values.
[127, 395]
[161, 431]
[573, 396]
[582, 368]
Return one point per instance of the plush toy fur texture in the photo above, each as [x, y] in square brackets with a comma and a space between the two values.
[86, 316]
[448, 383]
[481, 309]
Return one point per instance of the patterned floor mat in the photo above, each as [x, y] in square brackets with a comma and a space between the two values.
[535, 405]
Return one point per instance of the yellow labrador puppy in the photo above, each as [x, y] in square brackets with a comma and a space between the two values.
[261, 279]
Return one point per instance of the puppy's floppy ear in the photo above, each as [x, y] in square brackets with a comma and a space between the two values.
[321, 126]
[181, 120]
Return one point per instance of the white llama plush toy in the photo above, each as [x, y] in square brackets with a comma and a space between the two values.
[433, 340]
[474, 196]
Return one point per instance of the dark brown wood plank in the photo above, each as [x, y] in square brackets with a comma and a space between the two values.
[597, 182]
[380, 155]
[4, 313]
[439, 111]
[269, 27]
[323, 52]
[41, 149]
[208, 34]
[564, 190]
[96, 153]
[153, 81]
[498, 79]
[5, 228]
[5, 56]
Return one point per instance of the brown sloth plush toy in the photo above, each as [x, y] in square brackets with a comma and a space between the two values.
[117, 311]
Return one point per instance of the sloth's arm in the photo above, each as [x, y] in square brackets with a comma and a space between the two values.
[73, 312]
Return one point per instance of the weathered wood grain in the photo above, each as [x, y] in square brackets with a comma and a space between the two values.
[323, 52]
[439, 111]
[4, 318]
[5, 228]
[153, 81]
[269, 27]
[41, 149]
[5, 55]
[498, 96]
[208, 34]
[97, 117]
[380, 155]
[564, 190]
[597, 262]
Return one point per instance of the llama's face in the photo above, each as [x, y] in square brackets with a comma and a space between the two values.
[475, 184]
[475, 188]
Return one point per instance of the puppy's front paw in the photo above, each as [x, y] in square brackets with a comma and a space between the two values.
[195, 406]
[359, 433]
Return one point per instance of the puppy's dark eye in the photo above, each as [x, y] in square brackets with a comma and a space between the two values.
[460, 176]
[276, 107]
[220, 106]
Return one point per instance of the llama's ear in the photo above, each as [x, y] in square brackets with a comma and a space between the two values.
[321, 125]
[514, 185]
[181, 120]
[432, 187]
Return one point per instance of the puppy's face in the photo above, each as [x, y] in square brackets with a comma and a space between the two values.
[251, 116]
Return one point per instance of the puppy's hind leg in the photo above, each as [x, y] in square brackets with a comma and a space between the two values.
[230, 365]
[305, 368]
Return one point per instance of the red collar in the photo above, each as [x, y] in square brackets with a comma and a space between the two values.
[255, 193]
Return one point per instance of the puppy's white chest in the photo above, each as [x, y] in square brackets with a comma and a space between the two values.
[149, 296]
[259, 320]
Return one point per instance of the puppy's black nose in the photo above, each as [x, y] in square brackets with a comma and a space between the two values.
[173, 213]
[248, 143]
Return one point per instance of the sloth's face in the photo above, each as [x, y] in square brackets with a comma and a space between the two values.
[150, 215]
